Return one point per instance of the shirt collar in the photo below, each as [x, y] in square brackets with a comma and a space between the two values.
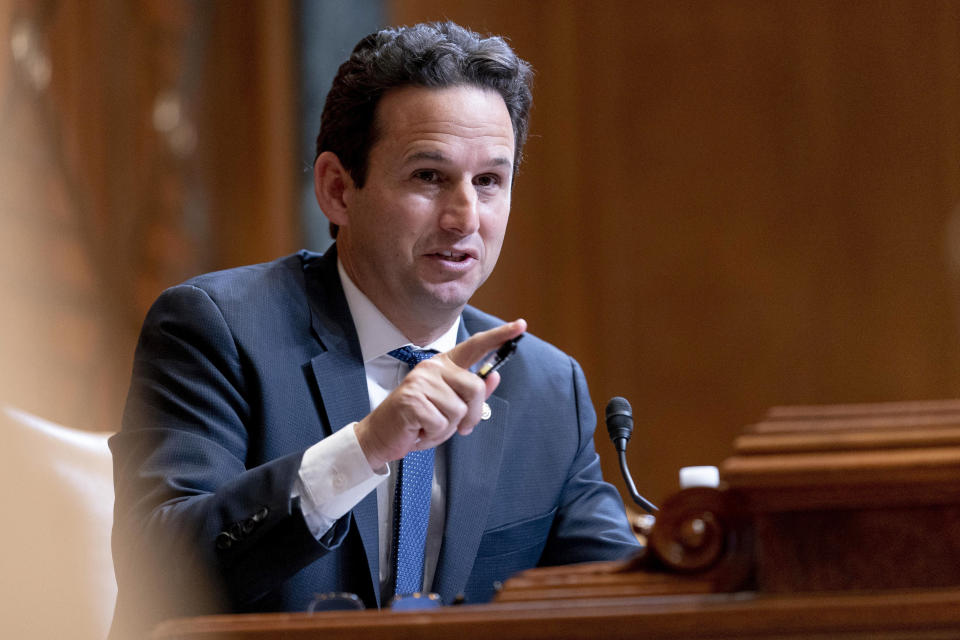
[376, 333]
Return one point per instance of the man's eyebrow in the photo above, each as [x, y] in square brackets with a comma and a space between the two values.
[438, 156]
[435, 156]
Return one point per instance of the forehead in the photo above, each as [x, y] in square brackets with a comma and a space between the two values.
[411, 117]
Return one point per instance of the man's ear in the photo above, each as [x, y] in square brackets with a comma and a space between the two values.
[331, 181]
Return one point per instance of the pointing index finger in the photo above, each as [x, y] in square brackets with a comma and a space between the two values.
[469, 352]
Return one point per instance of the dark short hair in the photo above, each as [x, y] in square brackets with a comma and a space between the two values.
[432, 55]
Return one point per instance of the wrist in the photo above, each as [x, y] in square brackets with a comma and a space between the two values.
[368, 445]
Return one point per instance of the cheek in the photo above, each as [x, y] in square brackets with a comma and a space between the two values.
[493, 229]
[410, 215]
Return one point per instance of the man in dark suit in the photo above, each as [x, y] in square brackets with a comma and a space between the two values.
[280, 438]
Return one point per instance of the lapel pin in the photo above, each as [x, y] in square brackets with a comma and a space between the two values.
[485, 412]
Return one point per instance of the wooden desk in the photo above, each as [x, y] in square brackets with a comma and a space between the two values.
[831, 522]
[893, 615]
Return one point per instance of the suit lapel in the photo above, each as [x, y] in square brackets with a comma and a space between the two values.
[341, 382]
[473, 466]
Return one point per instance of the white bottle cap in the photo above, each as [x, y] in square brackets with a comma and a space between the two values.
[699, 477]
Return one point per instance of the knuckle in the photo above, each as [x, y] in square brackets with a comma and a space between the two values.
[427, 366]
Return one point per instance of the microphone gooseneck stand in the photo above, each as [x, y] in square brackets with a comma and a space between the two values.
[619, 418]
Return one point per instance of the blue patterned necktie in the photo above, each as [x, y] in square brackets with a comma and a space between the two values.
[411, 501]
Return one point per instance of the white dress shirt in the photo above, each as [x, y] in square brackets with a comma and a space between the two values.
[334, 473]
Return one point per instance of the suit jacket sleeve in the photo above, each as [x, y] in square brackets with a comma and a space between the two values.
[590, 523]
[195, 529]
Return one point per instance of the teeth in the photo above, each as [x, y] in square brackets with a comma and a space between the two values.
[451, 254]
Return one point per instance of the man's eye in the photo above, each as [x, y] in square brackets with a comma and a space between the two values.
[427, 175]
[487, 181]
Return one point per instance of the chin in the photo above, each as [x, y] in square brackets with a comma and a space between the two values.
[447, 297]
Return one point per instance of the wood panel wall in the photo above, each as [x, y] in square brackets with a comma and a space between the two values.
[725, 205]
[729, 205]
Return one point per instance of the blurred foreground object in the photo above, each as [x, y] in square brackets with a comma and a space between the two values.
[57, 489]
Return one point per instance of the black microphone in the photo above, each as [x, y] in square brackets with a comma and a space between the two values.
[619, 422]
[620, 427]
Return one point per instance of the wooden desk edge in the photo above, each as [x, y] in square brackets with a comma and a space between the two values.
[887, 614]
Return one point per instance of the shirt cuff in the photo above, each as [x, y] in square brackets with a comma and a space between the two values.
[334, 477]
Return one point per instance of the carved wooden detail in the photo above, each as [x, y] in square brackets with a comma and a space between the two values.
[701, 543]
[853, 497]
[832, 498]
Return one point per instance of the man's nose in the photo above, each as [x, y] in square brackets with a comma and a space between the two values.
[460, 212]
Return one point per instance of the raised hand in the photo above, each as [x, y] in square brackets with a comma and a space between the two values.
[438, 398]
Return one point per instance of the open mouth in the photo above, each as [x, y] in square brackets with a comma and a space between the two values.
[453, 256]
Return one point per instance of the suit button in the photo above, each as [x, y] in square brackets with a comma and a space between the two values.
[261, 514]
[248, 526]
[224, 540]
[235, 531]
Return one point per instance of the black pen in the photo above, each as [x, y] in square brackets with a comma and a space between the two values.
[496, 359]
